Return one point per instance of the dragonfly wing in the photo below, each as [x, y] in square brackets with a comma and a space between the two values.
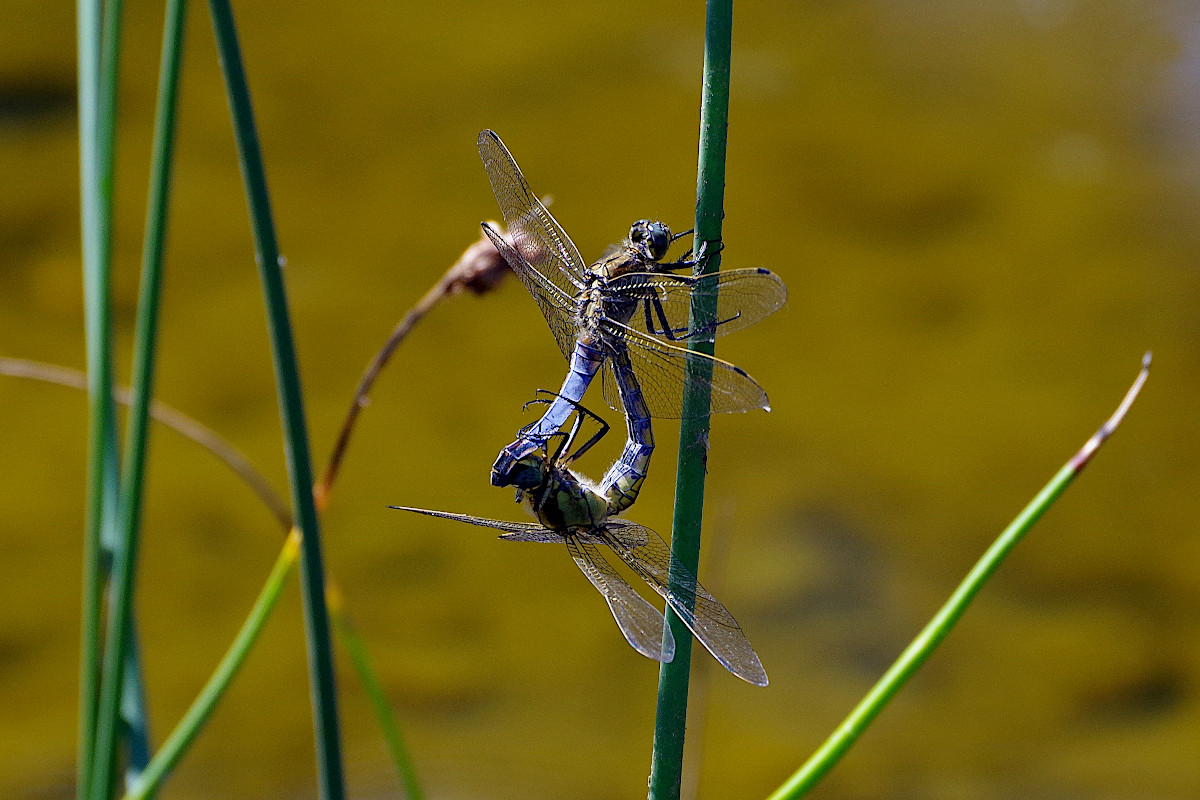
[743, 297]
[514, 531]
[532, 533]
[640, 622]
[557, 307]
[650, 557]
[662, 369]
[537, 236]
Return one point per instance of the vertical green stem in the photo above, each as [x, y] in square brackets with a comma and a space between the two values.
[98, 49]
[287, 376]
[137, 437]
[666, 771]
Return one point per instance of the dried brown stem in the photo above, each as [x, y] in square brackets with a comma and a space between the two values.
[478, 270]
[173, 419]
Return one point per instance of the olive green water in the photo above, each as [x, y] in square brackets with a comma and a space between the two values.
[985, 214]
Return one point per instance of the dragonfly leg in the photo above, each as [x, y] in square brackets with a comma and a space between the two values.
[581, 414]
[585, 363]
[680, 334]
[685, 259]
[665, 330]
[690, 260]
[715, 246]
[538, 400]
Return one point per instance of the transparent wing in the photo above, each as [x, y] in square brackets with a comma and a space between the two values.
[744, 296]
[557, 308]
[537, 236]
[649, 556]
[640, 622]
[532, 533]
[662, 368]
[515, 531]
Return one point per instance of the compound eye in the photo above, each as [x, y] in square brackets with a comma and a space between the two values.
[660, 240]
[639, 231]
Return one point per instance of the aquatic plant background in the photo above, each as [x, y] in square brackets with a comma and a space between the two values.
[984, 213]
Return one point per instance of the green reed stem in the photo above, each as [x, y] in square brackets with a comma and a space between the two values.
[181, 738]
[291, 405]
[931, 636]
[123, 577]
[98, 28]
[666, 771]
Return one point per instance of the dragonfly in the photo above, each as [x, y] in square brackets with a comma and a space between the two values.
[571, 510]
[628, 302]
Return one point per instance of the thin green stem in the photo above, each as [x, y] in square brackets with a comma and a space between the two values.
[666, 772]
[154, 245]
[287, 376]
[931, 636]
[394, 738]
[88, 34]
[98, 49]
[193, 721]
[132, 479]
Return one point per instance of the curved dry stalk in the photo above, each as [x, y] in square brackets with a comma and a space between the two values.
[479, 270]
[175, 420]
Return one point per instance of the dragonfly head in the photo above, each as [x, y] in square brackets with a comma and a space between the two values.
[526, 472]
[650, 238]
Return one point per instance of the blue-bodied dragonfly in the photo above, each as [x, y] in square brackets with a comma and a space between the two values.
[571, 510]
[593, 311]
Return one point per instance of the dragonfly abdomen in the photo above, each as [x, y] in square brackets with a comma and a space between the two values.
[622, 482]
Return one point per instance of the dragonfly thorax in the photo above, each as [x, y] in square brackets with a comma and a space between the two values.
[647, 243]
[566, 501]
[592, 305]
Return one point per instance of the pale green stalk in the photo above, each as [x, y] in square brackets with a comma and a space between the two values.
[181, 738]
[357, 650]
[923, 646]
[97, 28]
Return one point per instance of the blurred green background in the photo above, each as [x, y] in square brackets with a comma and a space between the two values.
[985, 213]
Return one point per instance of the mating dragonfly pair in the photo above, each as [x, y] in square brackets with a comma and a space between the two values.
[628, 316]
